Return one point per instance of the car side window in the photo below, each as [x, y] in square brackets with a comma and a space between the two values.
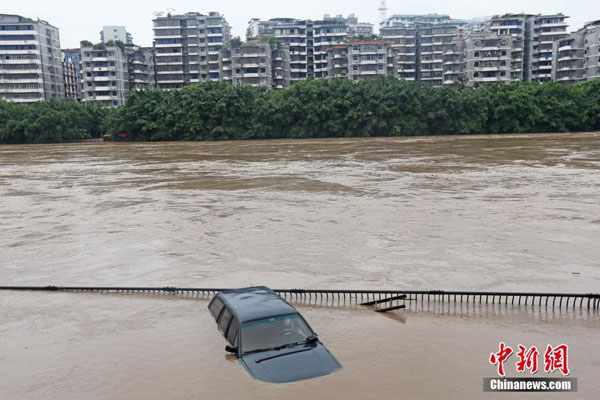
[224, 321]
[232, 332]
[215, 307]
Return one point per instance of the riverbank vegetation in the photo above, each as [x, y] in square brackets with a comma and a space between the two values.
[313, 109]
[50, 122]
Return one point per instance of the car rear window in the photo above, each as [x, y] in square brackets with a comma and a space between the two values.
[224, 321]
[215, 307]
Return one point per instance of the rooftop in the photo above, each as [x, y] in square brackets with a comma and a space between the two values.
[255, 303]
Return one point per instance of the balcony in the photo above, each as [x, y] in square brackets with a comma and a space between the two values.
[503, 27]
[18, 42]
[554, 25]
[492, 79]
[170, 81]
[163, 45]
[563, 33]
[569, 58]
[251, 75]
[101, 78]
[568, 68]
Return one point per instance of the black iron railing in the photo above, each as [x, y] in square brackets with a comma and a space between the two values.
[588, 301]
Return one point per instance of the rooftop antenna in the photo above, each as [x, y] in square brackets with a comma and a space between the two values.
[382, 12]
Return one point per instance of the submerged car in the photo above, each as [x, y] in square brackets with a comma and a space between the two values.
[270, 338]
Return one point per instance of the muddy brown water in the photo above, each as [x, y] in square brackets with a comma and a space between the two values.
[517, 212]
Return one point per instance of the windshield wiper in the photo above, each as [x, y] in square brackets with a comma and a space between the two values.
[311, 339]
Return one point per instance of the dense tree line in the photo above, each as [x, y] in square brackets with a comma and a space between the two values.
[50, 122]
[315, 108]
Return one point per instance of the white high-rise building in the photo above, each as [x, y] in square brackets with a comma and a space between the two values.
[104, 72]
[576, 57]
[30, 60]
[187, 48]
[115, 33]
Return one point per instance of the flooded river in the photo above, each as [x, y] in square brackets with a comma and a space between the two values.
[474, 213]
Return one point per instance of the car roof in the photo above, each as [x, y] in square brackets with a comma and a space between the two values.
[253, 303]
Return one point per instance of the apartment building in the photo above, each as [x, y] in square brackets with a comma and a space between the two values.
[258, 64]
[337, 62]
[141, 68]
[309, 40]
[533, 38]
[298, 35]
[576, 58]
[73, 57]
[187, 48]
[518, 26]
[31, 67]
[326, 33]
[360, 60]
[258, 27]
[354, 28]
[414, 20]
[104, 72]
[453, 63]
[546, 29]
[250, 64]
[591, 51]
[488, 59]
[115, 33]
[70, 79]
[403, 41]
[420, 42]
[434, 41]
[280, 65]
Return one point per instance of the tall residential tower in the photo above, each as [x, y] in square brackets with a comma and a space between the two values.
[30, 60]
[187, 48]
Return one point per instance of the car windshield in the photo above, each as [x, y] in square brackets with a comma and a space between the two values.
[274, 332]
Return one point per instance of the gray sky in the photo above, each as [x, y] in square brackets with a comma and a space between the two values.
[80, 20]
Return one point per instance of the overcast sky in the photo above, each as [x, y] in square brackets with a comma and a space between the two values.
[80, 20]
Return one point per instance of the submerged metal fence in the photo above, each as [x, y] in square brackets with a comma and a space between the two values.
[589, 301]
